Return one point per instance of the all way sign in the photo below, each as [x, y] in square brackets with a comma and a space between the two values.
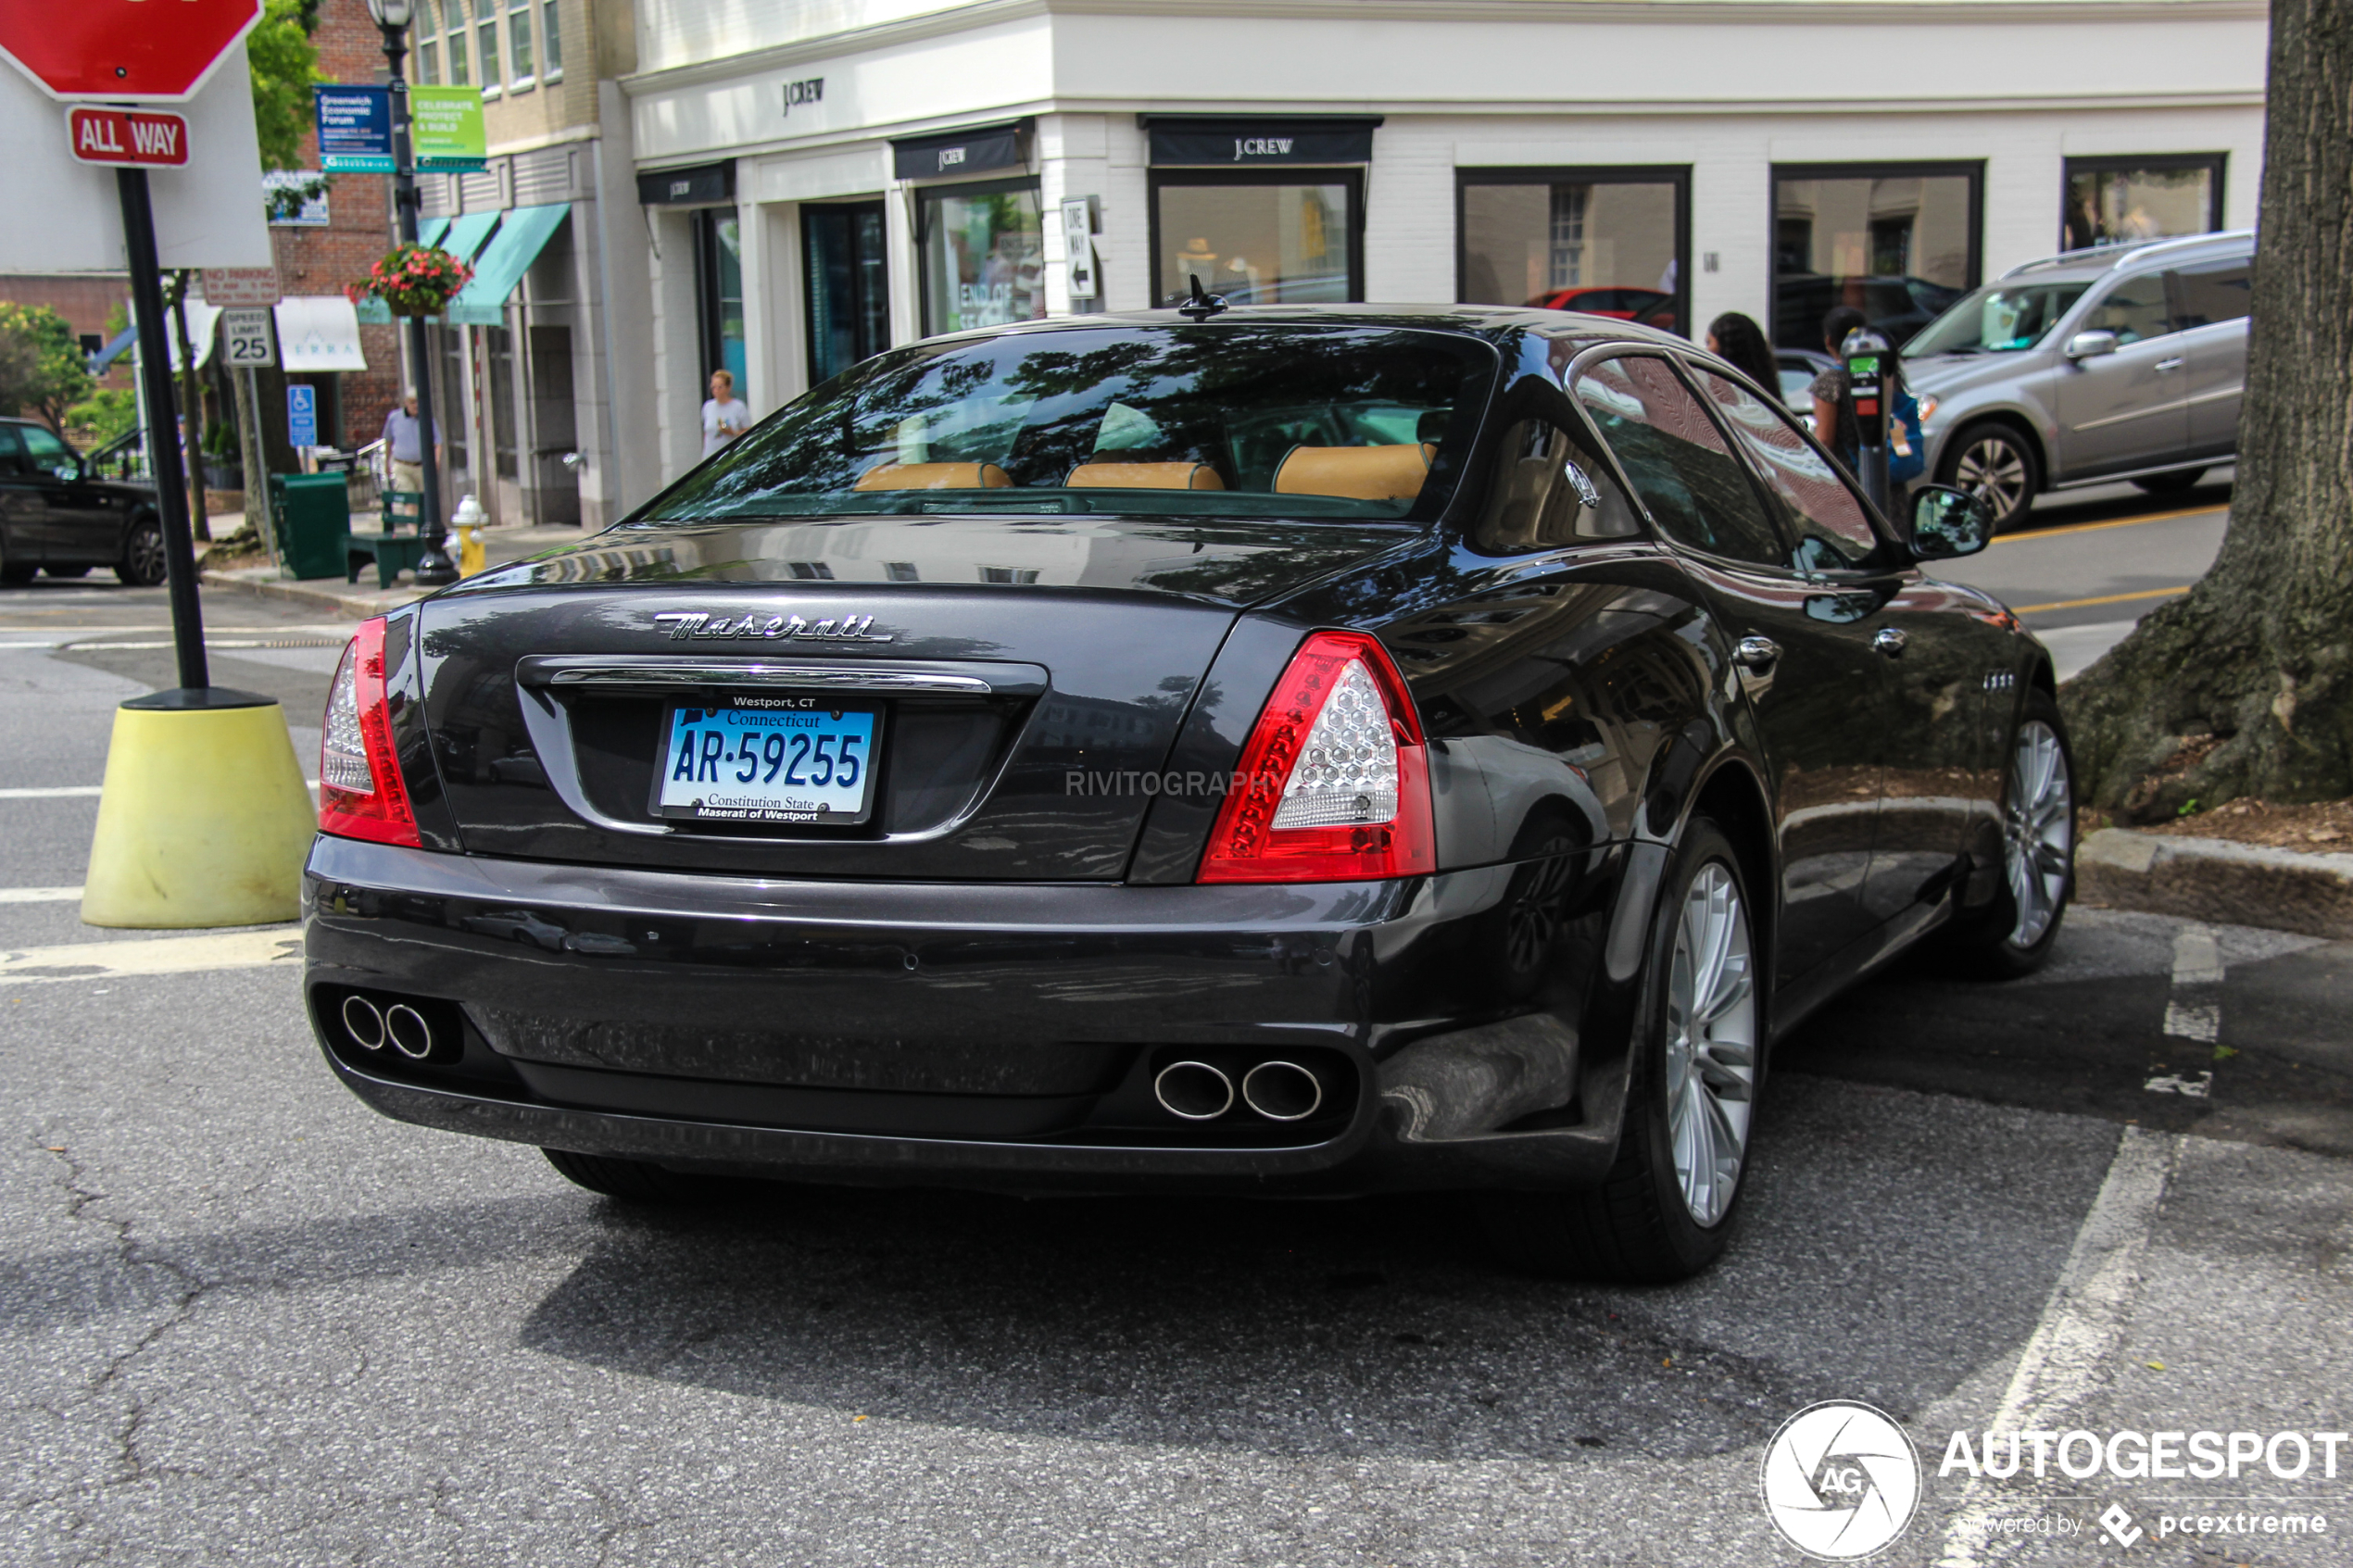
[145, 137]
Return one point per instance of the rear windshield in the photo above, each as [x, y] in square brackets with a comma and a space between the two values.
[1230, 420]
[1999, 319]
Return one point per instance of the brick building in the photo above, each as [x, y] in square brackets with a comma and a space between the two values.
[315, 261]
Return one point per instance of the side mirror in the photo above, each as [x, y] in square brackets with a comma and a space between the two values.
[2090, 346]
[1948, 522]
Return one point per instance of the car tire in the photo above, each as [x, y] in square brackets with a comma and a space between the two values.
[143, 560]
[1657, 1218]
[629, 1181]
[2177, 482]
[65, 572]
[2014, 935]
[1997, 463]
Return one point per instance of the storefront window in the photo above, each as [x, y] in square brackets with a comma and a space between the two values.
[2118, 201]
[1898, 243]
[720, 270]
[983, 252]
[1287, 239]
[848, 286]
[1607, 242]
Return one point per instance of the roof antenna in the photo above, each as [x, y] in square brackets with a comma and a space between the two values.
[1202, 304]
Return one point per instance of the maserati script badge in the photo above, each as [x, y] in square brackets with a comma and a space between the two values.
[683, 624]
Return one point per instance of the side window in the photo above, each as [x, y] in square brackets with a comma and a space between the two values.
[1833, 532]
[49, 455]
[2133, 309]
[1677, 459]
[2213, 293]
[11, 455]
[1548, 488]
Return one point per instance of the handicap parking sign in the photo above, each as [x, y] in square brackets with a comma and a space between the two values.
[302, 415]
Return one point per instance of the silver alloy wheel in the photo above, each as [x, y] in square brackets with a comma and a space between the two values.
[146, 556]
[1711, 1042]
[2038, 821]
[1993, 468]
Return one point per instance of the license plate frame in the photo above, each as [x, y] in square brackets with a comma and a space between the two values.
[756, 719]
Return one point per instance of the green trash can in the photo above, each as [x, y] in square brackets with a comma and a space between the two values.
[310, 513]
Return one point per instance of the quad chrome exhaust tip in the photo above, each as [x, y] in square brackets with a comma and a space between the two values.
[364, 1022]
[1193, 1090]
[1282, 1091]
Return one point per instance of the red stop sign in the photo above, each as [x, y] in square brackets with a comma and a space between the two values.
[122, 49]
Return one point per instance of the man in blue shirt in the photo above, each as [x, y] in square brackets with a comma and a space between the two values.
[403, 442]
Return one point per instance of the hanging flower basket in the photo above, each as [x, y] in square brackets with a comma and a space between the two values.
[414, 280]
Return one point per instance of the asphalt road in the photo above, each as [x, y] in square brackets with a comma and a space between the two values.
[248, 1320]
[2091, 562]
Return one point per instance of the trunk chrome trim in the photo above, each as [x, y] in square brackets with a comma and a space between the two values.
[654, 672]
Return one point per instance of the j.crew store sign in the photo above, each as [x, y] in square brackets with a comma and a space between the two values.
[1184, 143]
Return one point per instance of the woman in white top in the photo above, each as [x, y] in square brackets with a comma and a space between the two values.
[725, 415]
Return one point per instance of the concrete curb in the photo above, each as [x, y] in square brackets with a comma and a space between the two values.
[2213, 879]
[350, 603]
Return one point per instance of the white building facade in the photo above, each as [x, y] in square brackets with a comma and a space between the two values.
[826, 179]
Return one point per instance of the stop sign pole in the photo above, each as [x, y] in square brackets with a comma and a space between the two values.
[125, 57]
[163, 429]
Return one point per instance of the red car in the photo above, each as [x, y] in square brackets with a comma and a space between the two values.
[1651, 308]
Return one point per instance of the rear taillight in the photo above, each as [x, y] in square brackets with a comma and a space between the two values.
[1334, 782]
[361, 795]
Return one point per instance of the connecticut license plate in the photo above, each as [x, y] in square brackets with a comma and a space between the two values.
[767, 759]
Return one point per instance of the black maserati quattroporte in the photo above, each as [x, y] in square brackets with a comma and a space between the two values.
[1282, 751]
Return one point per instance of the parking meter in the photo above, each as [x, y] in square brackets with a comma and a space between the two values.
[1871, 365]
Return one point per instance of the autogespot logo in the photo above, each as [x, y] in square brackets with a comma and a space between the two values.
[1841, 1480]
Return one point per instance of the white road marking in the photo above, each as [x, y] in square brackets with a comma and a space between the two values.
[161, 955]
[40, 895]
[2081, 1327]
[59, 792]
[2193, 1009]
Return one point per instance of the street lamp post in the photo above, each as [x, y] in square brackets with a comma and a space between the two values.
[392, 17]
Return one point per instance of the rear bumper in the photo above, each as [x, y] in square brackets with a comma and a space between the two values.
[987, 1034]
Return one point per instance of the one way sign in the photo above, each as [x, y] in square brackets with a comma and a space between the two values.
[147, 137]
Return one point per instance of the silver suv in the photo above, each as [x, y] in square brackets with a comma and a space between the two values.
[2125, 362]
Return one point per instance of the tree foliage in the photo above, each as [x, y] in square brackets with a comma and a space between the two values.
[2245, 684]
[285, 67]
[42, 369]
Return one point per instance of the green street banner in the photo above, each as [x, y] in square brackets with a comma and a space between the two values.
[445, 129]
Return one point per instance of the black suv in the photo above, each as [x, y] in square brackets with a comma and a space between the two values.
[57, 516]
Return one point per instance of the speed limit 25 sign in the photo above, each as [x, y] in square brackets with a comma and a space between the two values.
[245, 339]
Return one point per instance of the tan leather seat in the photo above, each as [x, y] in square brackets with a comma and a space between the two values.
[934, 476]
[1358, 473]
[1144, 476]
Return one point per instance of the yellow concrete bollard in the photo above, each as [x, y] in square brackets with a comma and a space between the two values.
[203, 819]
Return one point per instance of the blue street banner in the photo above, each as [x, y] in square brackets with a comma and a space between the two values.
[354, 128]
[302, 415]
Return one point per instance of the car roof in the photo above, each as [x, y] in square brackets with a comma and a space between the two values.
[2074, 266]
[1491, 322]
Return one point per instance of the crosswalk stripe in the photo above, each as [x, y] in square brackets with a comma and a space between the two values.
[58, 792]
[161, 955]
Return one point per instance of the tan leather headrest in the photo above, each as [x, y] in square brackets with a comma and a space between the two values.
[1144, 476]
[1359, 473]
[934, 476]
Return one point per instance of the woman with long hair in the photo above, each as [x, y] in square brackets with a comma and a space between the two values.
[1740, 340]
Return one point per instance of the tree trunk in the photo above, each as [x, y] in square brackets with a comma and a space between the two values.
[191, 410]
[2245, 684]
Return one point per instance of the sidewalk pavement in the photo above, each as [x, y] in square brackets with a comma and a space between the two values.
[359, 601]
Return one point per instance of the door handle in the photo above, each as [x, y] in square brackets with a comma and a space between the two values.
[2174, 364]
[1889, 640]
[1757, 653]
